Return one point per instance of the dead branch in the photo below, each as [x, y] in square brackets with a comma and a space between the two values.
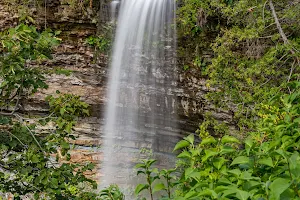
[281, 32]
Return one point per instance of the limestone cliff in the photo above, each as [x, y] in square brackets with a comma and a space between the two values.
[88, 76]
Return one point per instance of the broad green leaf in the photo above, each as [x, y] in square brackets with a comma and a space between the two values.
[229, 139]
[281, 152]
[246, 175]
[225, 181]
[209, 140]
[207, 192]
[288, 194]
[221, 188]
[140, 187]
[150, 162]
[184, 154]
[229, 192]
[240, 160]
[227, 149]
[181, 144]
[218, 162]
[294, 161]
[266, 161]
[297, 120]
[140, 165]
[195, 152]
[249, 185]
[190, 194]
[248, 145]
[237, 172]
[208, 153]
[278, 186]
[190, 138]
[242, 195]
[158, 187]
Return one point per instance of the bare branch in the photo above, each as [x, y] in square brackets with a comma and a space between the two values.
[282, 34]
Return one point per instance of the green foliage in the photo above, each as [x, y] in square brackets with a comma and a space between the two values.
[157, 181]
[102, 42]
[111, 193]
[33, 157]
[151, 175]
[62, 71]
[27, 157]
[99, 42]
[249, 61]
[265, 165]
[19, 46]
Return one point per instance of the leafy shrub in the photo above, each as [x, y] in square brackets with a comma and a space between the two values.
[30, 159]
[266, 165]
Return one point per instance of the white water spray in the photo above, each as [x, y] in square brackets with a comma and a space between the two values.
[140, 108]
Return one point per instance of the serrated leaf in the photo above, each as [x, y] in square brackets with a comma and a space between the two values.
[237, 172]
[227, 149]
[190, 138]
[184, 154]
[181, 144]
[209, 140]
[278, 186]
[207, 192]
[248, 145]
[218, 162]
[208, 153]
[229, 139]
[240, 160]
[242, 195]
[266, 161]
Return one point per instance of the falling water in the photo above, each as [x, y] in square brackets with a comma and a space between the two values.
[113, 9]
[140, 110]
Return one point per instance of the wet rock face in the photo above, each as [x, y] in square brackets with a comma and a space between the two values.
[89, 77]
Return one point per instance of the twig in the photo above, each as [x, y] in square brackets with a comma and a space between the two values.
[291, 71]
[45, 14]
[17, 103]
[31, 133]
[281, 32]
[263, 12]
[16, 138]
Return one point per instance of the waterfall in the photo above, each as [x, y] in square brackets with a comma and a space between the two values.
[140, 110]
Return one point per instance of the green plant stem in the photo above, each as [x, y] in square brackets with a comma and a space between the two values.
[168, 185]
[150, 188]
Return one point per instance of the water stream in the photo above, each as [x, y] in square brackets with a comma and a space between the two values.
[140, 110]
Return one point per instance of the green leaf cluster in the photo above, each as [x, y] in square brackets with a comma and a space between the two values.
[265, 165]
[246, 58]
[20, 46]
[34, 151]
[102, 43]
[156, 180]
